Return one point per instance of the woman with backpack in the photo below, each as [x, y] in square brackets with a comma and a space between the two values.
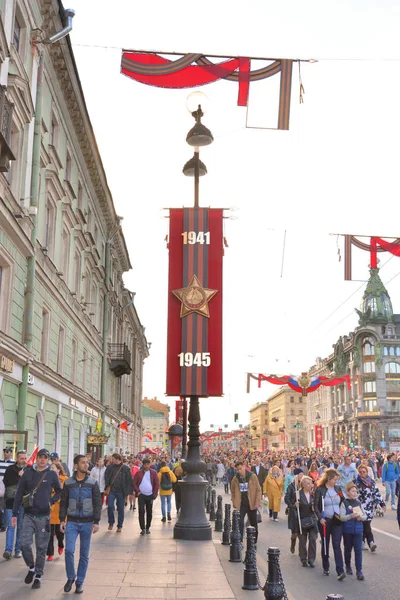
[167, 478]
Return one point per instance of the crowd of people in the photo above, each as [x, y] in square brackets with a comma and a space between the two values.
[330, 495]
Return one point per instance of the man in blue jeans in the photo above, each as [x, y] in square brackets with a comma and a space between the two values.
[118, 479]
[81, 503]
[11, 480]
[390, 473]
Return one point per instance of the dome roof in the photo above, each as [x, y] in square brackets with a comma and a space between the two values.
[376, 306]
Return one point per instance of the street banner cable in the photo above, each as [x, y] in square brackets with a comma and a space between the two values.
[193, 70]
[376, 244]
[194, 337]
[302, 383]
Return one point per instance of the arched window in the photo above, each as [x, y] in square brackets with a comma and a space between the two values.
[368, 346]
[392, 368]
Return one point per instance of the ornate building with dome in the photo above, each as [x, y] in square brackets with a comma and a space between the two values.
[368, 414]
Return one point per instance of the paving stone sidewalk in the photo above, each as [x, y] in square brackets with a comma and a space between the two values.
[127, 565]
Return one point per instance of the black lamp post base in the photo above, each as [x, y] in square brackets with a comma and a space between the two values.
[192, 524]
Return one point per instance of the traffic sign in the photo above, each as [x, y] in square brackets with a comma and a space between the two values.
[382, 444]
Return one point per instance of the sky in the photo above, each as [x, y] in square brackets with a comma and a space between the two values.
[335, 171]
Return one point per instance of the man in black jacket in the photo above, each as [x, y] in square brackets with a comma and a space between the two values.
[260, 471]
[11, 480]
[81, 501]
[119, 479]
[37, 483]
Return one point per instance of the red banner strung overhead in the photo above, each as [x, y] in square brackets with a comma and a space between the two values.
[375, 245]
[302, 383]
[194, 344]
[192, 70]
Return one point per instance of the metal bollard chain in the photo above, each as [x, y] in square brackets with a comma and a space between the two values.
[282, 582]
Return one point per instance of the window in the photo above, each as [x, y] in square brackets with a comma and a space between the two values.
[385, 350]
[65, 254]
[84, 361]
[398, 351]
[370, 405]
[368, 346]
[391, 351]
[292, 412]
[74, 355]
[17, 34]
[301, 411]
[392, 367]
[300, 399]
[44, 347]
[68, 167]
[6, 279]
[61, 348]
[77, 272]
[50, 227]
[53, 131]
[369, 367]
[80, 196]
[369, 387]
[291, 399]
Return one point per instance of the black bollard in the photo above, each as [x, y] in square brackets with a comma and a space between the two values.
[208, 501]
[250, 562]
[212, 506]
[227, 526]
[236, 542]
[274, 588]
[218, 520]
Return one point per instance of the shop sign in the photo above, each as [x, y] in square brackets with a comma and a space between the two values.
[31, 379]
[394, 430]
[91, 411]
[73, 402]
[97, 439]
[369, 414]
[6, 364]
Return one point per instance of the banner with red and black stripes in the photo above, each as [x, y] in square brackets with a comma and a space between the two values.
[194, 346]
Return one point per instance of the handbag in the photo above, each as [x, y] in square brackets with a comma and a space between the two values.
[108, 488]
[307, 522]
[27, 499]
[259, 517]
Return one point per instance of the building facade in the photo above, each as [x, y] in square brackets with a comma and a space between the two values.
[287, 420]
[155, 423]
[368, 414]
[71, 343]
[258, 415]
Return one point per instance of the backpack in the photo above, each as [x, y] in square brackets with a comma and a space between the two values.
[166, 483]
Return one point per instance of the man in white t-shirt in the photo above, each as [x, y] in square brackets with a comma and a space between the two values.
[146, 485]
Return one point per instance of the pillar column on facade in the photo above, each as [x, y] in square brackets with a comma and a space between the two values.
[71, 266]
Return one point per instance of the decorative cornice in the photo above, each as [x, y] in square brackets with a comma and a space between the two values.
[63, 62]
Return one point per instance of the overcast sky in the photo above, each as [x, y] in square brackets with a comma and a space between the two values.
[335, 171]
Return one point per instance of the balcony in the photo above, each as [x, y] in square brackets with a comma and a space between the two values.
[120, 359]
[6, 109]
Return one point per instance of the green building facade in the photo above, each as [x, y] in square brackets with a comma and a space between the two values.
[71, 343]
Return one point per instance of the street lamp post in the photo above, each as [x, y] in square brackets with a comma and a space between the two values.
[193, 523]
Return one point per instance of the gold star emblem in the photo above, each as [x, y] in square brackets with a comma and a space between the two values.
[194, 298]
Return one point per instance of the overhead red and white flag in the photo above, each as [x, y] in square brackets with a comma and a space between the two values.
[32, 459]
